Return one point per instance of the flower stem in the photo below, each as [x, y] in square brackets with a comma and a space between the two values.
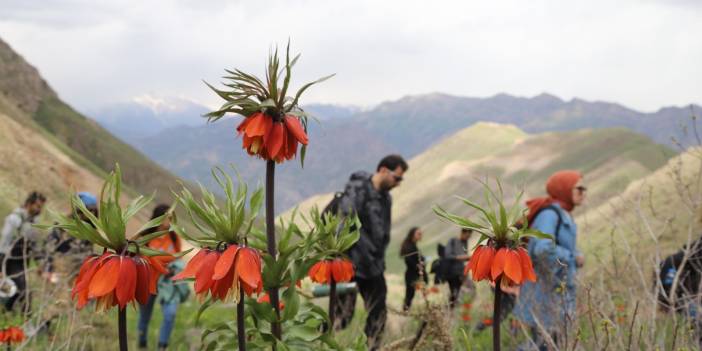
[332, 304]
[496, 318]
[270, 235]
[240, 327]
[122, 327]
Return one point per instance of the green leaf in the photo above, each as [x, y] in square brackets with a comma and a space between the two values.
[292, 303]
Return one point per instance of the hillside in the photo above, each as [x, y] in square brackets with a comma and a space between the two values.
[28, 99]
[610, 159]
[357, 139]
[651, 218]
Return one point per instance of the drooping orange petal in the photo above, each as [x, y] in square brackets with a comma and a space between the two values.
[484, 264]
[193, 266]
[513, 267]
[323, 274]
[498, 263]
[203, 277]
[274, 140]
[342, 270]
[159, 263]
[260, 125]
[225, 262]
[143, 281]
[87, 270]
[527, 268]
[295, 127]
[473, 261]
[291, 149]
[312, 273]
[126, 283]
[242, 126]
[248, 267]
[221, 287]
[105, 279]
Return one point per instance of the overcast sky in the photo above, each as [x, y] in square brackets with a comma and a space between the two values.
[643, 54]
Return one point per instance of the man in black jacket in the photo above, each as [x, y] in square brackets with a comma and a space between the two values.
[368, 196]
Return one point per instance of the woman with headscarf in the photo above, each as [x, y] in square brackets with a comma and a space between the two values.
[547, 306]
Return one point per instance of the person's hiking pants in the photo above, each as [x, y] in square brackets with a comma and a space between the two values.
[169, 314]
[374, 293]
[15, 271]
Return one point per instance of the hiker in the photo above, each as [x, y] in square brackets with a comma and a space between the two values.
[456, 256]
[17, 247]
[66, 251]
[415, 262]
[546, 305]
[170, 293]
[678, 284]
[368, 197]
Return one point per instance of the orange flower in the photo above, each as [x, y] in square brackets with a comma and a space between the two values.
[265, 298]
[466, 306]
[487, 322]
[434, 289]
[272, 140]
[514, 265]
[113, 279]
[340, 269]
[12, 335]
[465, 317]
[223, 274]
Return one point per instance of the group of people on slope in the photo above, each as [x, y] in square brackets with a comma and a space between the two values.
[58, 256]
[543, 306]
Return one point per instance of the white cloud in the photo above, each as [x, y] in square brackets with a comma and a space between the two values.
[644, 54]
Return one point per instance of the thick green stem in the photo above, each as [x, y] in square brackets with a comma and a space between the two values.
[270, 236]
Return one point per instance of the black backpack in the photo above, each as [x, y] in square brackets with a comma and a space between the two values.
[438, 266]
[688, 279]
[333, 205]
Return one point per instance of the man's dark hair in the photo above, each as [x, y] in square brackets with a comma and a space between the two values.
[466, 230]
[391, 162]
[34, 197]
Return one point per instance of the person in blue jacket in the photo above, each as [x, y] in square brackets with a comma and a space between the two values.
[547, 306]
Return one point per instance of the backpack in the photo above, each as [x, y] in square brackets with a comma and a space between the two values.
[558, 224]
[333, 205]
[688, 280]
[438, 266]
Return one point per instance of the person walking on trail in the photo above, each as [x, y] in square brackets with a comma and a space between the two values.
[170, 293]
[66, 251]
[456, 256]
[17, 247]
[368, 197]
[414, 260]
[547, 305]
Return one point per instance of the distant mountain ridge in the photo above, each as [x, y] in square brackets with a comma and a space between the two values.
[352, 141]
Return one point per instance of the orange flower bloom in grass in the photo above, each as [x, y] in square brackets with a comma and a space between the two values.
[512, 264]
[224, 273]
[265, 298]
[113, 279]
[340, 269]
[272, 140]
[12, 335]
[466, 317]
